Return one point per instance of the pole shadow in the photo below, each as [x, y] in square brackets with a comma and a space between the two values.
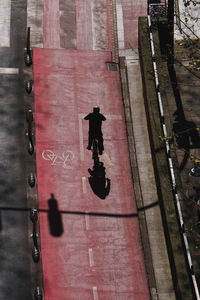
[100, 185]
[54, 217]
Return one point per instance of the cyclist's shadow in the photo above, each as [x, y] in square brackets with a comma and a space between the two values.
[100, 185]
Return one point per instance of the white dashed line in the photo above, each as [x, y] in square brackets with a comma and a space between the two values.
[84, 185]
[81, 136]
[91, 258]
[87, 221]
[95, 293]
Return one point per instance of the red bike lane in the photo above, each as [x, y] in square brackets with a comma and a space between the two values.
[90, 247]
[95, 251]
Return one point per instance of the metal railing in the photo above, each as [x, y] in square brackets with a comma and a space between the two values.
[170, 163]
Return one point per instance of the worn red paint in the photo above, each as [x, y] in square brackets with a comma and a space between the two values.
[67, 84]
[132, 9]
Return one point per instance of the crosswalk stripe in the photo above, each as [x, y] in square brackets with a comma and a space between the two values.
[9, 71]
[35, 22]
[51, 24]
[5, 12]
[120, 26]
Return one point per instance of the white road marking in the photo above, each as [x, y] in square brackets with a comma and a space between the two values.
[91, 258]
[84, 185]
[35, 22]
[5, 12]
[81, 116]
[107, 163]
[9, 71]
[120, 26]
[108, 117]
[95, 293]
[81, 136]
[87, 221]
[113, 117]
[65, 158]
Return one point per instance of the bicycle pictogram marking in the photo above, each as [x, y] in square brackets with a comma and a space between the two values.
[65, 158]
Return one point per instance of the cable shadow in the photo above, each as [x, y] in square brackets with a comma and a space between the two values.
[54, 217]
[97, 214]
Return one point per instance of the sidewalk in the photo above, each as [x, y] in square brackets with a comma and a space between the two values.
[157, 262]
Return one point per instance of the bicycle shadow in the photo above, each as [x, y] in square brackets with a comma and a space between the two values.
[100, 185]
[54, 217]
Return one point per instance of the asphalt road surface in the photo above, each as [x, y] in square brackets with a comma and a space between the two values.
[15, 254]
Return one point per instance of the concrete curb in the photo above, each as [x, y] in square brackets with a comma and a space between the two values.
[177, 259]
[152, 234]
[32, 197]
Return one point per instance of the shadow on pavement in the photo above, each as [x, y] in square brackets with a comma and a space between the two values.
[54, 217]
[100, 185]
[187, 136]
[98, 214]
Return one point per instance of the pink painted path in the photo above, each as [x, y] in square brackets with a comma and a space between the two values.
[132, 9]
[86, 24]
[91, 29]
[96, 257]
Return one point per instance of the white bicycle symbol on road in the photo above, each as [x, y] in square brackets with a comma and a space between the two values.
[64, 159]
